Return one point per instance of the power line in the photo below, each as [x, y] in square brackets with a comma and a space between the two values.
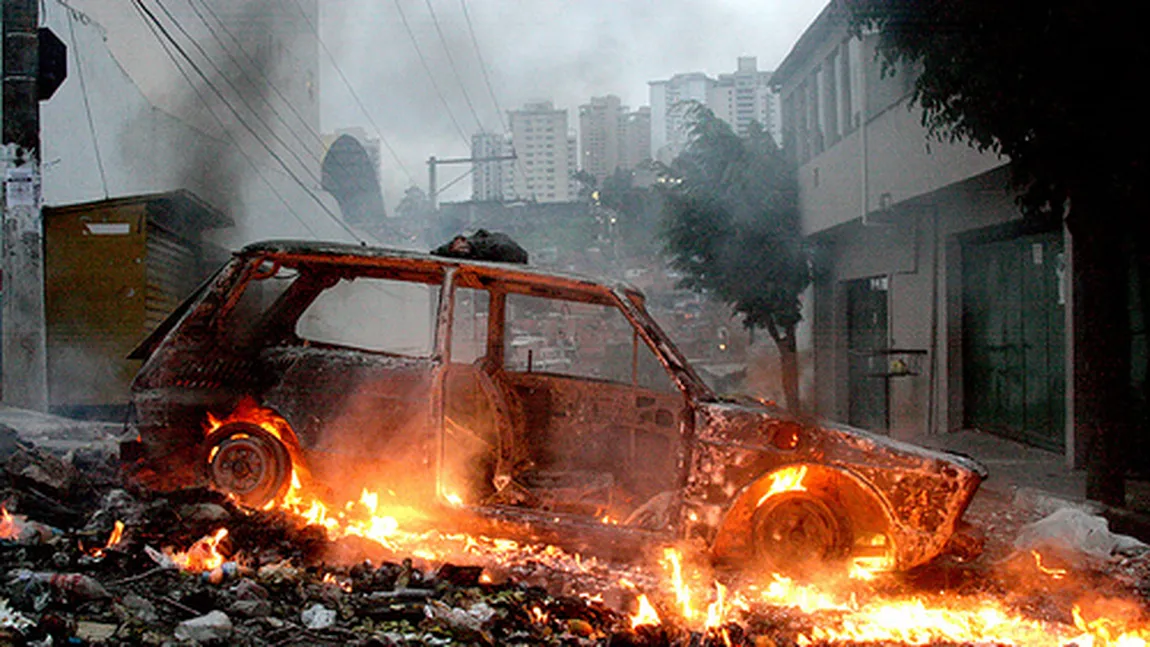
[483, 66]
[359, 102]
[247, 104]
[157, 29]
[220, 123]
[253, 64]
[491, 92]
[430, 76]
[456, 180]
[87, 105]
[235, 113]
[454, 69]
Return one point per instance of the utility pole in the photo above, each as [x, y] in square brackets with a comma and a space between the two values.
[432, 162]
[22, 322]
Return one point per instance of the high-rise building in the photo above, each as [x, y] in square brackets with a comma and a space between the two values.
[546, 153]
[746, 96]
[490, 180]
[612, 137]
[737, 98]
[669, 101]
[636, 138]
[599, 136]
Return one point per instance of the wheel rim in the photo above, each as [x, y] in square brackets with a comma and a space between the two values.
[248, 467]
[797, 530]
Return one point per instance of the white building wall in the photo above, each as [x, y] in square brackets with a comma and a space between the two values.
[143, 149]
[489, 179]
[546, 157]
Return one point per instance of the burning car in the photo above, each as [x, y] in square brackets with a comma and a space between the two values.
[344, 365]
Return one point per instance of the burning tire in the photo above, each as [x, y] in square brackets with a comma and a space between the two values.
[248, 463]
[796, 531]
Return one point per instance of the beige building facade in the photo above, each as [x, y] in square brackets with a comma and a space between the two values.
[935, 305]
[546, 155]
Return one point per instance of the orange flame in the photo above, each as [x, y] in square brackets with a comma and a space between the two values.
[646, 614]
[673, 560]
[380, 516]
[788, 479]
[1054, 573]
[343, 584]
[1115, 627]
[202, 556]
[113, 539]
[9, 526]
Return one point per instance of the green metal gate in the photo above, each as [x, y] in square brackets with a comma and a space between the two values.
[1013, 338]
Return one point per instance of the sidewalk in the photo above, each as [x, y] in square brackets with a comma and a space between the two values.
[1040, 479]
[60, 435]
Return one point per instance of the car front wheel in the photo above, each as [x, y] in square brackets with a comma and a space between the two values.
[796, 532]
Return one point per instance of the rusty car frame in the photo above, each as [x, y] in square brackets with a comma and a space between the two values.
[623, 440]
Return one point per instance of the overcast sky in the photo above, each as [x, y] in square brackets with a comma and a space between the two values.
[563, 51]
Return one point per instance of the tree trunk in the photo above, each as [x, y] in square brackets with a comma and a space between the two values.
[789, 366]
[1102, 346]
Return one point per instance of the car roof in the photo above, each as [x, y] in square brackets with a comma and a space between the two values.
[326, 251]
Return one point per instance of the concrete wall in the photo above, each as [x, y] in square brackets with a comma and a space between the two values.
[915, 246]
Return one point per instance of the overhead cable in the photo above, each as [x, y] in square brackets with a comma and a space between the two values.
[454, 69]
[431, 77]
[354, 95]
[149, 16]
[207, 106]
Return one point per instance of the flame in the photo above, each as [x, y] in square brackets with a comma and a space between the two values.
[113, 539]
[10, 526]
[342, 583]
[1115, 628]
[854, 613]
[202, 556]
[454, 499]
[1054, 573]
[717, 610]
[646, 614]
[788, 479]
[673, 560]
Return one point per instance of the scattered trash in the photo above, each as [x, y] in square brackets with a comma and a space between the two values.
[1071, 530]
[317, 616]
[11, 618]
[213, 626]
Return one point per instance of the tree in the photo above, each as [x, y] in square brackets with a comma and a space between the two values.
[637, 209]
[731, 226]
[1052, 86]
[414, 205]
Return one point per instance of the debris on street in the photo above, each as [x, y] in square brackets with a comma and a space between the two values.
[97, 562]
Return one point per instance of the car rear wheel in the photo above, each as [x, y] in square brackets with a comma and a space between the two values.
[248, 463]
[795, 532]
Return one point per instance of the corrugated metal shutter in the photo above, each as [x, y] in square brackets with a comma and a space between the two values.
[172, 273]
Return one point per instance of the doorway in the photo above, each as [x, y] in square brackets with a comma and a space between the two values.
[1014, 345]
[867, 337]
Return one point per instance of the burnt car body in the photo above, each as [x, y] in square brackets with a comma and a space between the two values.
[420, 373]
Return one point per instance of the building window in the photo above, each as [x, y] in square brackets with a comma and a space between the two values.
[830, 97]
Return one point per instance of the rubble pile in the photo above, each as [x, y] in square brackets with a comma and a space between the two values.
[87, 559]
[84, 560]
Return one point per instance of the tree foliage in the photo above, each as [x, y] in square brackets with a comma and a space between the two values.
[731, 226]
[1052, 85]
